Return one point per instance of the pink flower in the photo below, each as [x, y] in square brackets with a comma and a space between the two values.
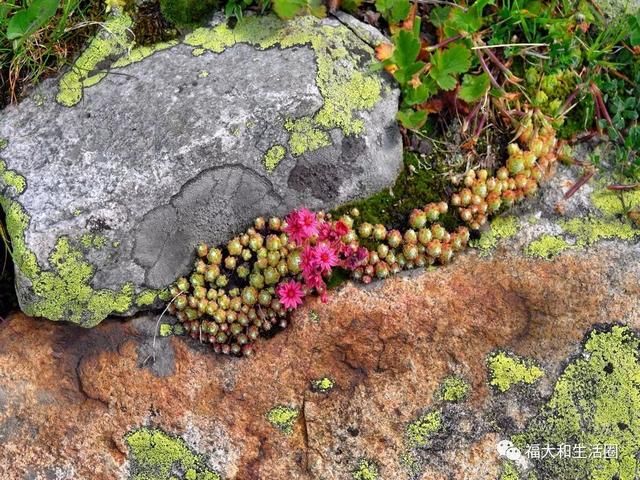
[301, 225]
[325, 257]
[290, 294]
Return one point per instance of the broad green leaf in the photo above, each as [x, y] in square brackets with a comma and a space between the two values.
[407, 49]
[474, 87]
[27, 21]
[439, 16]
[415, 96]
[447, 64]
[393, 10]
[403, 75]
[288, 8]
[400, 10]
[412, 119]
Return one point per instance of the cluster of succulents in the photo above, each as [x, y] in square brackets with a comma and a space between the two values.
[250, 285]
[529, 162]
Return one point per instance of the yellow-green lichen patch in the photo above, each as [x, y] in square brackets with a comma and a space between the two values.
[115, 40]
[507, 370]
[141, 52]
[91, 240]
[509, 471]
[366, 470]
[345, 90]
[612, 202]
[112, 40]
[283, 418]
[547, 246]
[64, 291]
[421, 430]
[155, 455]
[453, 389]
[146, 298]
[323, 385]
[591, 230]
[595, 403]
[273, 157]
[305, 136]
[501, 228]
[165, 330]
[11, 178]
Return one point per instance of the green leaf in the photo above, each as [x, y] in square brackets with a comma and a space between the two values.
[466, 21]
[412, 119]
[288, 8]
[446, 64]
[474, 87]
[634, 29]
[439, 16]
[415, 96]
[403, 75]
[407, 48]
[393, 11]
[27, 21]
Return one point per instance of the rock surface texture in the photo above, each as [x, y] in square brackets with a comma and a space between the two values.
[109, 180]
[419, 377]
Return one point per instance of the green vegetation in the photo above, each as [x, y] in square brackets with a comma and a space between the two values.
[507, 370]
[155, 455]
[37, 37]
[187, 12]
[501, 228]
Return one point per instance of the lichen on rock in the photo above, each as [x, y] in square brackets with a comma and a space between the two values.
[453, 389]
[366, 470]
[155, 455]
[594, 403]
[507, 370]
[420, 431]
[283, 418]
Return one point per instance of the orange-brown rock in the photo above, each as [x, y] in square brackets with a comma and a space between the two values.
[68, 396]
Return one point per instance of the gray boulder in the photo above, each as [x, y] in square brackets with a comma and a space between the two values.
[112, 173]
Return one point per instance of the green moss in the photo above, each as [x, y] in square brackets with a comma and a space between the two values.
[185, 12]
[615, 202]
[547, 246]
[421, 430]
[591, 230]
[146, 298]
[283, 418]
[507, 370]
[323, 385]
[415, 186]
[453, 389]
[501, 228]
[595, 401]
[3, 143]
[366, 470]
[155, 455]
[273, 157]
